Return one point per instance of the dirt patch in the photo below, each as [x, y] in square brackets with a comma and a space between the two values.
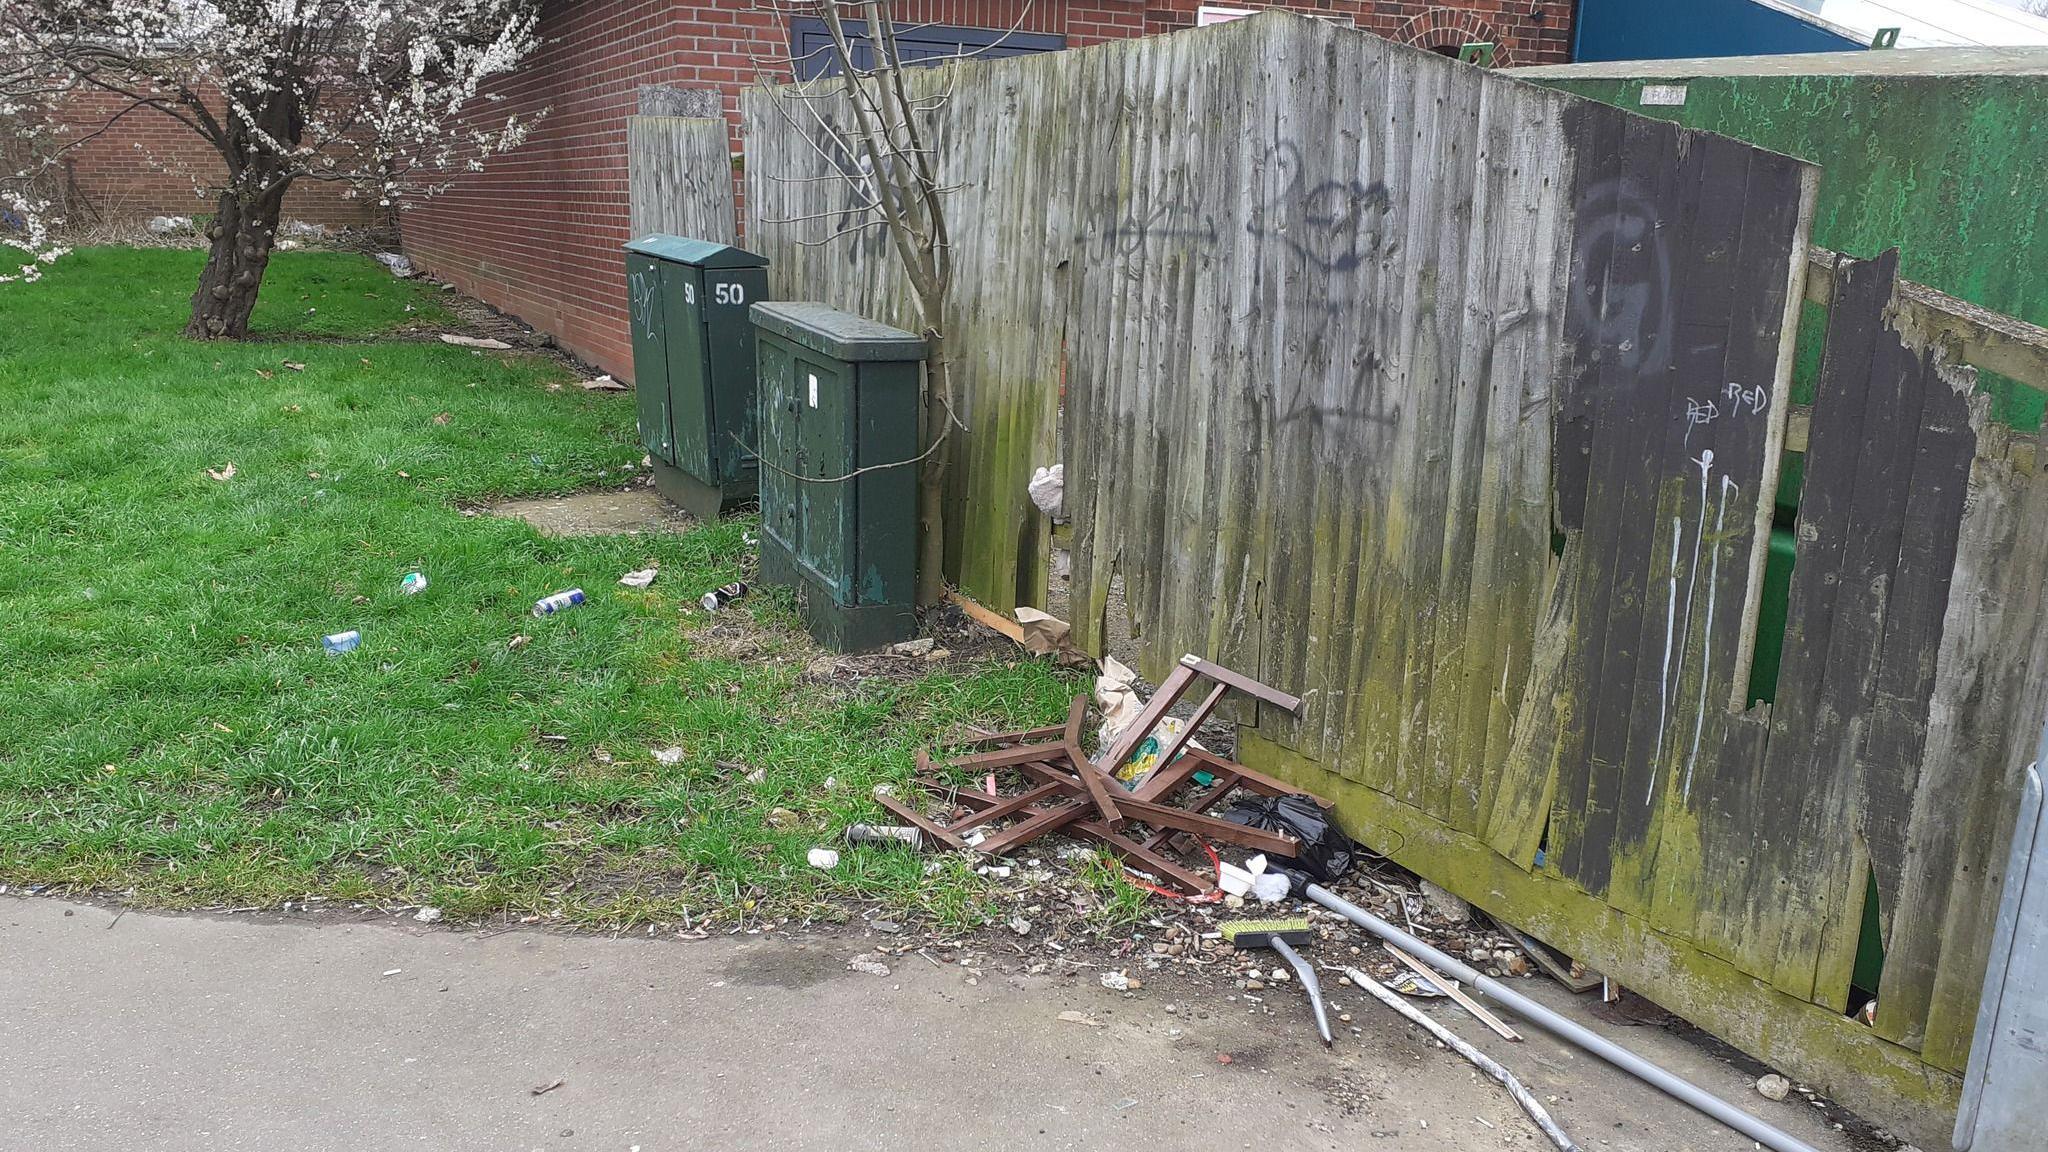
[784, 966]
[629, 512]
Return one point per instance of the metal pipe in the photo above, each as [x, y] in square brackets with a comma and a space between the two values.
[1307, 975]
[1536, 1014]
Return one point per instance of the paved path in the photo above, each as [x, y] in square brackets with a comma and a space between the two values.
[166, 1032]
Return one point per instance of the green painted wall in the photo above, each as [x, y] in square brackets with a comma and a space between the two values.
[1949, 169]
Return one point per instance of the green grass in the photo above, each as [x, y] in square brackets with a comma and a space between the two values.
[173, 728]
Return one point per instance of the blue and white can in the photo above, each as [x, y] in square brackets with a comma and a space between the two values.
[549, 605]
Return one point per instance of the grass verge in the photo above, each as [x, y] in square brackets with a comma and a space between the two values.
[175, 732]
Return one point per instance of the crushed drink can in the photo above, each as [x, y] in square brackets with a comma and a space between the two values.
[722, 595]
[413, 584]
[341, 642]
[883, 834]
[549, 605]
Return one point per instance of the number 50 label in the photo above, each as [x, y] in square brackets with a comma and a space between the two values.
[729, 293]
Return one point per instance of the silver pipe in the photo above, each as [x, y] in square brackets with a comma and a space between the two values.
[1536, 1014]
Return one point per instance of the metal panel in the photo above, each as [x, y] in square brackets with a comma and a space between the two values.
[884, 560]
[824, 451]
[2008, 1076]
[729, 361]
[776, 368]
[650, 356]
[688, 370]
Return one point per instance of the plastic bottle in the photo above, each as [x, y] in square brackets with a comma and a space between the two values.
[549, 605]
[341, 642]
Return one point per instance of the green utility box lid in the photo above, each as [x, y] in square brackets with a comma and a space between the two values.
[702, 253]
[843, 337]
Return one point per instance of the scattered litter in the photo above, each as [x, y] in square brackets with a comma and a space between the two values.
[1116, 981]
[224, 472]
[1267, 886]
[1411, 984]
[603, 384]
[1020, 926]
[474, 342]
[1325, 851]
[1234, 880]
[1116, 696]
[825, 858]
[668, 756]
[394, 971]
[1450, 988]
[544, 1089]
[398, 264]
[995, 871]
[1044, 634]
[549, 605]
[640, 578]
[1048, 489]
[1124, 1104]
[919, 647]
[883, 834]
[872, 965]
[169, 225]
[293, 365]
[413, 584]
[724, 594]
[1052, 766]
[1773, 1086]
[1478, 1059]
[1072, 1017]
[428, 915]
[441, 418]
[340, 642]
[517, 642]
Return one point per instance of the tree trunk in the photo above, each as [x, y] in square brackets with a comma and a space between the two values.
[931, 473]
[244, 229]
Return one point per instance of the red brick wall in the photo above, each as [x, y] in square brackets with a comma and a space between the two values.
[148, 164]
[1522, 31]
[537, 233]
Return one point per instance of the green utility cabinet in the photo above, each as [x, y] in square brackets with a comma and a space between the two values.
[839, 393]
[693, 366]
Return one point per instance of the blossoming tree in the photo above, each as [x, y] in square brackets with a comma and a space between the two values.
[385, 96]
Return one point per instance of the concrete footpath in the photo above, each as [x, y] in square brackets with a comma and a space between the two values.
[179, 1032]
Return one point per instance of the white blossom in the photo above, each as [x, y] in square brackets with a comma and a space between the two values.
[386, 96]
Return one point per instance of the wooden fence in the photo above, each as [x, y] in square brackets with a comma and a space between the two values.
[1458, 406]
[679, 177]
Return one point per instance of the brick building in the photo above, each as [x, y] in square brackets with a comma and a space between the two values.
[537, 234]
[147, 164]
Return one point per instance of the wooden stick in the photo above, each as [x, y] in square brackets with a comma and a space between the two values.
[1450, 988]
[987, 616]
[1479, 1060]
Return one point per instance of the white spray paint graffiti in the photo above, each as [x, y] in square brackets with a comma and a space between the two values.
[1670, 629]
[1706, 466]
[1699, 720]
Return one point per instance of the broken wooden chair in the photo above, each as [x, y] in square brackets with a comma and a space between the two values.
[1063, 789]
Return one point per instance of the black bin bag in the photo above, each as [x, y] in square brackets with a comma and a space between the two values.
[1326, 852]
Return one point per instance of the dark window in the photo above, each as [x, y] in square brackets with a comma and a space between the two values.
[916, 43]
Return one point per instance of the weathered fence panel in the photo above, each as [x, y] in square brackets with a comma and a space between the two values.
[1457, 406]
[679, 177]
